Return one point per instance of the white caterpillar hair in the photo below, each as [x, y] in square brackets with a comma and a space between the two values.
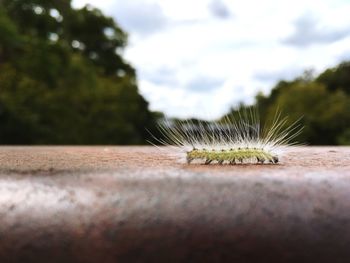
[233, 140]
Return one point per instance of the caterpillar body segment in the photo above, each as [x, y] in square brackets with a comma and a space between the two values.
[232, 156]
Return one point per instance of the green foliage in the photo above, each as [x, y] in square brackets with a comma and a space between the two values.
[344, 138]
[323, 103]
[324, 114]
[337, 78]
[62, 80]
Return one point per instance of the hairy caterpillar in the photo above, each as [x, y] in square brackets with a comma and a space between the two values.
[233, 140]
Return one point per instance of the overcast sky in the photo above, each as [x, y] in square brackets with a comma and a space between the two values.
[200, 57]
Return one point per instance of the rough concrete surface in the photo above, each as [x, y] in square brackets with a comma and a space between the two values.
[138, 204]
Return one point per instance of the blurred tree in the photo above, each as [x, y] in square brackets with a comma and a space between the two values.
[344, 138]
[337, 78]
[10, 39]
[263, 102]
[322, 102]
[325, 115]
[63, 80]
[99, 39]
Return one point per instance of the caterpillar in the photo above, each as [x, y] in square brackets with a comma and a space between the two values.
[239, 139]
[232, 155]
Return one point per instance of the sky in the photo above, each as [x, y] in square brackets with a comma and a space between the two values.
[199, 58]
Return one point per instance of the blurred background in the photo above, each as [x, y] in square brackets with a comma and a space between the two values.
[105, 72]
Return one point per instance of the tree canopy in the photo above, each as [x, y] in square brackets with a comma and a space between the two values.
[63, 79]
[322, 102]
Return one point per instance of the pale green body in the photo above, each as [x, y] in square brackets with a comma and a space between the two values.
[232, 156]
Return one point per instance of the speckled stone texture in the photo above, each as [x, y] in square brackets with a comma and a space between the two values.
[138, 204]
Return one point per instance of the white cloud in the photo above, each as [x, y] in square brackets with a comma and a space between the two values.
[219, 9]
[309, 31]
[179, 46]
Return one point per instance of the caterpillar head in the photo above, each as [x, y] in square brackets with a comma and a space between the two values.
[275, 159]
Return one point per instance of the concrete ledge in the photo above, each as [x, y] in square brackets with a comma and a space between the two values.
[136, 204]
